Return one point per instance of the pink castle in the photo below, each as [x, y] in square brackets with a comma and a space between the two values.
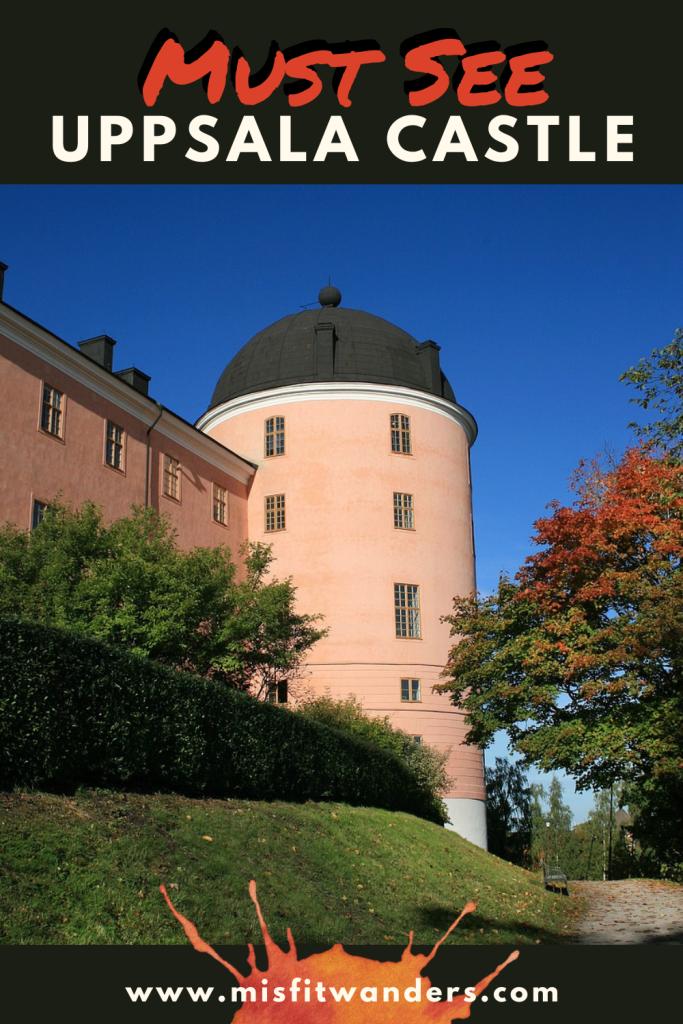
[332, 435]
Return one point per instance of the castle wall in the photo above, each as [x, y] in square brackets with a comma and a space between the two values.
[72, 460]
[340, 543]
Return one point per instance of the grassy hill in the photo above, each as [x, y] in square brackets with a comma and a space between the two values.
[87, 869]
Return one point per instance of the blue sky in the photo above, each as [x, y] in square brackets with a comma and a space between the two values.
[540, 296]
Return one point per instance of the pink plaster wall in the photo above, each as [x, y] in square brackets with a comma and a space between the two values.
[339, 476]
[43, 465]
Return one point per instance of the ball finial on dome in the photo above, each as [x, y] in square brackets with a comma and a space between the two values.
[329, 296]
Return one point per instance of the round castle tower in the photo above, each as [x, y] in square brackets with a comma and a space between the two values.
[363, 489]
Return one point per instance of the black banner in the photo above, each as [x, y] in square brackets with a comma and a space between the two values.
[488, 93]
[156, 984]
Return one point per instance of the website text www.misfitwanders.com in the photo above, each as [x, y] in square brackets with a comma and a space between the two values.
[301, 989]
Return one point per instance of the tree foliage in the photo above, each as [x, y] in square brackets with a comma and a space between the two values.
[581, 851]
[657, 827]
[603, 830]
[659, 380]
[580, 657]
[539, 839]
[552, 837]
[508, 811]
[127, 583]
[558, 826]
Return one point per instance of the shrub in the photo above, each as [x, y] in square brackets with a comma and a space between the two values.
[426, 764]
[75, 711]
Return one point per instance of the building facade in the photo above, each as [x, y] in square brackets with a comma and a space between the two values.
[334, 436]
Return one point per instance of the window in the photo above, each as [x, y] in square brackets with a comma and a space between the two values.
[171, 478]
[407, 610]
[410, 689]
[277, 692]
[38, 513]
[275, 512]
[52, 411]
[113, 453]
[220, 504]
[417, 740]
[404, 514]
[275, 436]
[400, 433]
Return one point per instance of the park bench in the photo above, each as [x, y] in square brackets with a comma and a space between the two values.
[554, 878]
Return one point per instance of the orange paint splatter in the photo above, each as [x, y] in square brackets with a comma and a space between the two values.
[337, 971]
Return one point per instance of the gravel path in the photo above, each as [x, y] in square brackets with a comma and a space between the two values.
[632, 912]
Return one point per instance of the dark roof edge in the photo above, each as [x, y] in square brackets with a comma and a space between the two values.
[111, 374]
[337, 379]
[462, 412]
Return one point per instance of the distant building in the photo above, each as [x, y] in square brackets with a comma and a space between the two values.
[333, 435]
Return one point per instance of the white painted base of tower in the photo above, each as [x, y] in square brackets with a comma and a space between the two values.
[468, 819]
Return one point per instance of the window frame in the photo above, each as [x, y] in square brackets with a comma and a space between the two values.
[410, 690]
[121, 444]
[408, 626]
[400, 433]
[48, 403]
[221, 502]
[35, 522]
[167, 462]
[276, 436]
[274, 692]
[272, 514]
[403, 509]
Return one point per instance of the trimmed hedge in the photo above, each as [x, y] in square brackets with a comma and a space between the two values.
[74, 711]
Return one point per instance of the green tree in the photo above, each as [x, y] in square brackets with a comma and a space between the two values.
[128, 583]
[657, 828]
[593, 838]
[659, 380]
[539, 839]
[553, 839]
[559, 840]
[508, 811]
[580, 657]
[657, 810]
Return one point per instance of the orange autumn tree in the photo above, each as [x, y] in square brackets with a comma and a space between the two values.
[580, 657]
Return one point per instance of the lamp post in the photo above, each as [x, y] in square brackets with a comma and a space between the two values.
[547, 833]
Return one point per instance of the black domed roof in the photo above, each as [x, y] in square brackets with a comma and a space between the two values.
[332, 344]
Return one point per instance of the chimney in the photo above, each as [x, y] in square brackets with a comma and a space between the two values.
[428, 353]
[136, 378]
[3, 268]
[324, 351]
[100, 350]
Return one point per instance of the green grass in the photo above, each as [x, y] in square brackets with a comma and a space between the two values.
[86, 869]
